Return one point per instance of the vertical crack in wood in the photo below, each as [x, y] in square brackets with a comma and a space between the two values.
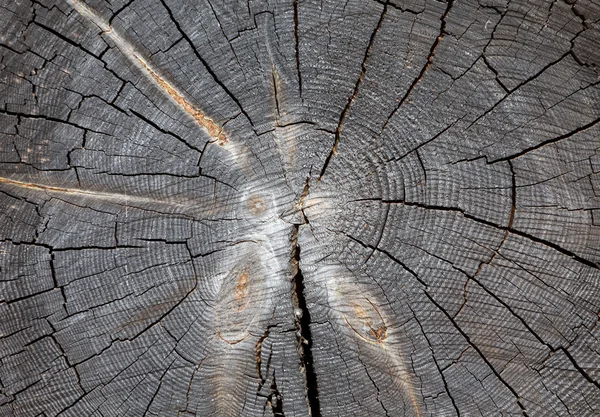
[437, 365]
[297, 47]
[275, 399]
[258, 355]
[304, 336]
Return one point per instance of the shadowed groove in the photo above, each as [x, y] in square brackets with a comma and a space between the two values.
[303, 324]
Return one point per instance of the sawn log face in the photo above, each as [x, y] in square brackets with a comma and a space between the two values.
[293, 208]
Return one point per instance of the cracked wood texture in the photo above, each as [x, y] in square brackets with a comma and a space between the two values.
[299, 208]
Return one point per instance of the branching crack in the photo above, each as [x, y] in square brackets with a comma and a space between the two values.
[440, 370]
[275, 399]
[513, 209]
[479, 352]
[146, 68]
[376, 388]
[208, 68]
[521, 84]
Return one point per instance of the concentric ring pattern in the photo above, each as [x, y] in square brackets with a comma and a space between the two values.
[299, 207]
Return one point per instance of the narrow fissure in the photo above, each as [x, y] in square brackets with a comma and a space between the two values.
[304, 336]
[427, 65]
[352, 97]
[274, 77]
[513, 196]
[297, 47]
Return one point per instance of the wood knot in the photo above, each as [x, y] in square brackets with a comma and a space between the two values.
[366, 320]
[241, 291]
[257, 204]
[239, 300]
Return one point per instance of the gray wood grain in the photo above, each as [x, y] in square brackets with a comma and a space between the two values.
[299, 208]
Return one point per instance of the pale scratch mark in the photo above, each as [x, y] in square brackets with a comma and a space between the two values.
[403, 378]
[366, 319]
[122, 198]
[128, 50]
[207, 123]
[240, 300]
[234, 341]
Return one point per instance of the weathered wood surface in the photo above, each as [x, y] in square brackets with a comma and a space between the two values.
[299, 208]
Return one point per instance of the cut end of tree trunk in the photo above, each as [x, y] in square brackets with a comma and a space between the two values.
[300, 208]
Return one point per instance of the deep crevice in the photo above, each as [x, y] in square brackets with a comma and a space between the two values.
[297, 47]
[275, 399]
[304, 336]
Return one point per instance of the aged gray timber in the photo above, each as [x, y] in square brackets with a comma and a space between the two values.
[299, 208]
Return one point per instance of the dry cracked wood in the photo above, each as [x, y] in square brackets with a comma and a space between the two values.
[299, 207]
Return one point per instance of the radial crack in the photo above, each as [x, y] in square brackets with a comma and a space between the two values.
[440, 370]
[304, 336]
[521, 84]
[426, 66]
[297, 47]
[510, 229]
[351, 99]
[479, 352]
[564, 136]
[203, 61]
